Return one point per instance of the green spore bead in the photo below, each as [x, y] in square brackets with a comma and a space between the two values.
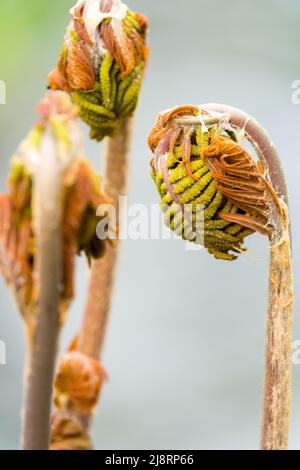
[130, 22]
[114, 87]
[84, 100]
[105, 79]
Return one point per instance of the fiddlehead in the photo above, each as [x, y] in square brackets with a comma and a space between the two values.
[198, 162]
[255, 186]
[102, 63]
[80, 198]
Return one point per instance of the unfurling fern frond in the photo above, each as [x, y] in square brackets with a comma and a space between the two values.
[203, 167]
[102, 63]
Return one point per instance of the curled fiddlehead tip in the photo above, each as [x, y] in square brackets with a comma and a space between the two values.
[78, 382]
[102, 62]
[199, 160]
[81, 196]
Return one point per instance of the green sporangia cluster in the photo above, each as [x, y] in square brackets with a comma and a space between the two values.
[101, 64]
[224, 240]
[113, 99]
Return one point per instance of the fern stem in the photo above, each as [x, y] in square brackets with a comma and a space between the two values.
[278, 362]
[96, 315]
[41, 363]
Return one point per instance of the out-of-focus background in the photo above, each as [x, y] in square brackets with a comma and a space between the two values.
[185, 349]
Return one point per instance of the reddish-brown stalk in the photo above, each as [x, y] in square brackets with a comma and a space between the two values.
[277, 390]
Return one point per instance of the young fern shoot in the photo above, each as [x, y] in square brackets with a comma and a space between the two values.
[45, 221]
[101, 66]
[102, 62]
[200, 161]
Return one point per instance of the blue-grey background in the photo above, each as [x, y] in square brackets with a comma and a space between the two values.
[185, 349]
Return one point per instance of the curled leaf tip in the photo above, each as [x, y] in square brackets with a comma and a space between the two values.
[79, 25]
[164, 123]
[240, 180]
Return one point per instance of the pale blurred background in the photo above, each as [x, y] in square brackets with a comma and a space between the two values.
[185, 349]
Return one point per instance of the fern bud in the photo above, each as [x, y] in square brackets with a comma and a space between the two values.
[199, 162]
[102, 62]
[78, 382]
[80, 195]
